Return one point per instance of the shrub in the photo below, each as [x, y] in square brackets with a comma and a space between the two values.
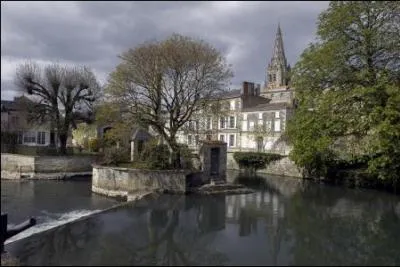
[115, 156]
[159, 158]
[94, 144]
[186, 156]
[156, 156]
[254, 160]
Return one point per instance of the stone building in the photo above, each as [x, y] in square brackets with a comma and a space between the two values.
[14, 119]
[251, 118]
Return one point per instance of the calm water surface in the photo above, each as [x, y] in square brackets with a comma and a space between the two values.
[284, 223]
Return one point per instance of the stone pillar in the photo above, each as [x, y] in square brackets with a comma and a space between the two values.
[132, 150]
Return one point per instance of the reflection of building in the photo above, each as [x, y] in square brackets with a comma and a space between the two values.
[252, 118]
[247, 209]
[212, 214]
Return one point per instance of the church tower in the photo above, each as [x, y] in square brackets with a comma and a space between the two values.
[277, 70]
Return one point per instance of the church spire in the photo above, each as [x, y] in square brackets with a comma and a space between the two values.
[277, 68]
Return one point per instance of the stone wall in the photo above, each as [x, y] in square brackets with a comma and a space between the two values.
[46, 164]
[120, 182]
[15, 166]
[283, 167]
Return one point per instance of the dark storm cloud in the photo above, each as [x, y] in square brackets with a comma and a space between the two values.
[94, 33]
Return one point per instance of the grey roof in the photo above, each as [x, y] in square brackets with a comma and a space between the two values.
[7, 105]
[266, 107]
[140, 134]
[253, 100]
[229, 94]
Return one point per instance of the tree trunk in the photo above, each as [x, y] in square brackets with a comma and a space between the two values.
[176, 153]
[63, 143]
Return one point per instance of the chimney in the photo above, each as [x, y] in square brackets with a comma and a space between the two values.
[257, 90]
[245, 89]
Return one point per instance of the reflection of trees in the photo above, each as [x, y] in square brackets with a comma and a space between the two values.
[166, 236]
[341, 231]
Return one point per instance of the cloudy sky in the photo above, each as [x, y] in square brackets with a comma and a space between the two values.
[94, 33]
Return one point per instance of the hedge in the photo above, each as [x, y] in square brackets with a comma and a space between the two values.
[254, 160]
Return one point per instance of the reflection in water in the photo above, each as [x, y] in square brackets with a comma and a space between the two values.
[316, 225]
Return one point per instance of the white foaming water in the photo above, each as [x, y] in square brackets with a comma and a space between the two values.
[49, 223]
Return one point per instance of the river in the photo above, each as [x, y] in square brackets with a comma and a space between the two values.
[285, 222]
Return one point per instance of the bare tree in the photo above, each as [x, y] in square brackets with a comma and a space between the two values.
[164, 83]
[59, 94]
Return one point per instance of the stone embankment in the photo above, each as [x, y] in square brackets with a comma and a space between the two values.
[14, 166]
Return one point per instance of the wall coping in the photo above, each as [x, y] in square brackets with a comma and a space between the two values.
[183, 171]
[45, 156]
[18, 155]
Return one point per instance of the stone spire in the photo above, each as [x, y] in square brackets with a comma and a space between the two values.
[277, 68]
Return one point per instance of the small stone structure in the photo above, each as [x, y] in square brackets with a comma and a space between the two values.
[124, 182]
[282, 167]
[138, 139]
[121, 182]
[14, 166]
[213, 160]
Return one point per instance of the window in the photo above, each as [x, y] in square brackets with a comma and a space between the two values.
[189, 139]
[251, 128]
[19, 138]
[222, 123]
[268, 125]
[30, 137]
[274, 77]
[232, 105]
[197, 125]
[231, 122]
[231, 140]
[196, 139]
[277, 115]
[15, 120]
[277, 125]
[191, 125]
[41, 138]
[209, 123]
[237, 105]
[222, 137]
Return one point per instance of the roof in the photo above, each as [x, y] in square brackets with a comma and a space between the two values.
[266, 107]
[253, 100]
[140, 134]
[17, 104]
[7, 105]
[229, 94]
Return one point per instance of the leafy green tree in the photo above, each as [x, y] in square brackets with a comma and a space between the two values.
[347, 86]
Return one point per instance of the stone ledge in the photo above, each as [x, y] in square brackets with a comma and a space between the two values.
[109, 192]
[140, 170]
[9, 175]
[8, 260]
